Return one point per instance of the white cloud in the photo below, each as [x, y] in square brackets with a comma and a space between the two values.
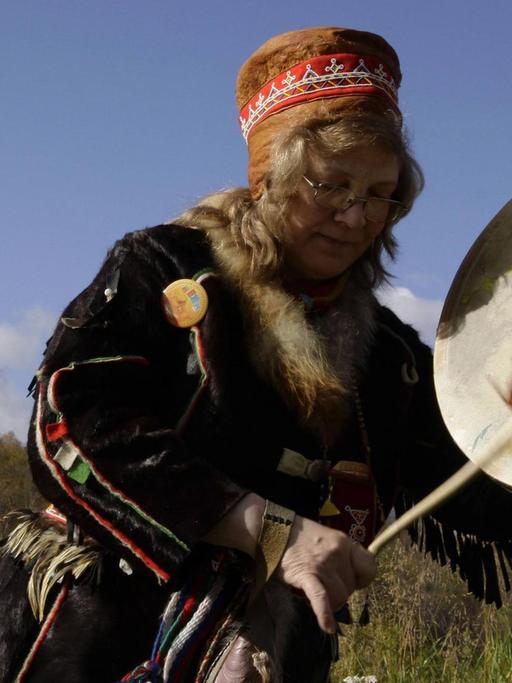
[21, 345]
[422, 314]
[15, 409]
[23, 341]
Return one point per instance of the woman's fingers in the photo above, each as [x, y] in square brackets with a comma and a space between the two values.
[320, 604]
[337, 591]
[327, 566]
[364, 566]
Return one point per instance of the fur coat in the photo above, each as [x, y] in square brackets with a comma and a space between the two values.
[144, 435]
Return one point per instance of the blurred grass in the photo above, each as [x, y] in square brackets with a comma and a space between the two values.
[425, 627]
[17, 490]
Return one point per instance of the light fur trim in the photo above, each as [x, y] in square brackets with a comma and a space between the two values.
[303, 361]
[261, 662]
[44, 549]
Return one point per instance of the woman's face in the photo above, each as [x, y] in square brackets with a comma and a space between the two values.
[320, 243]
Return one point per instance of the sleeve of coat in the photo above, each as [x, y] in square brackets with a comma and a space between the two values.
[106, 445]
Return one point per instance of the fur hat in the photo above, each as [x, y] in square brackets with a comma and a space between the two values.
[308, 76]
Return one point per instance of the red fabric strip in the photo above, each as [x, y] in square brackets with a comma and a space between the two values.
[56, 430]
[161, 573]
[50, 619]
[334, 75]
[99, 476]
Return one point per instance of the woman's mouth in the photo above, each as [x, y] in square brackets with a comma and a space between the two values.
[336, 241]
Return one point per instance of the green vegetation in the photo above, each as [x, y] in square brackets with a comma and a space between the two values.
[16, 488]
[425, 628]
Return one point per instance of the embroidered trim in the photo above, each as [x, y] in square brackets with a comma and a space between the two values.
[106, 359]
[204, 274]
[54, 514]
[128, 501]
[92, 467]
[357, 531]
[198, 344]
[62, 480]
[50, 619]
[332, 75]
[199, 351]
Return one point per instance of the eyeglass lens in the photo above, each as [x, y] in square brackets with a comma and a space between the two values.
[374, 208]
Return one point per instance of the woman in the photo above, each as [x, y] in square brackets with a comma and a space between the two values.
[226, 415]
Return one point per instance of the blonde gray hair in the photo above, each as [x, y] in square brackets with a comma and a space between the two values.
[255, 226]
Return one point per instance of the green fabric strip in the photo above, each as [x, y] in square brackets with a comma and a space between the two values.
[83, 467]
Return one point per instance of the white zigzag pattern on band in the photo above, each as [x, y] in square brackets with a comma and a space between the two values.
[334, 78]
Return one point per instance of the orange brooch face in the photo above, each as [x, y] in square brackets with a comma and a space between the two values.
[185, 302]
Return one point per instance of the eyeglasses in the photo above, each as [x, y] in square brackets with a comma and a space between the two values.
[338, 198]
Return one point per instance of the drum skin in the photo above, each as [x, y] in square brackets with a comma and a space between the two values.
[473, 348]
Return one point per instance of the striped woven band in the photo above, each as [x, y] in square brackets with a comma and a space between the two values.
[334, 75]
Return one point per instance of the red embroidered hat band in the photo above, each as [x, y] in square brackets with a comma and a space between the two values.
[334, 75]
[309, 77]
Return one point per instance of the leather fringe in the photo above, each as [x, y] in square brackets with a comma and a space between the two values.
[483, 565]
[42, 546]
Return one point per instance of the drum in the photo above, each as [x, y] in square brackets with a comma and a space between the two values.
[473, 348]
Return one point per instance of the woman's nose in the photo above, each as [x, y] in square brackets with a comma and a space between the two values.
[353, 216]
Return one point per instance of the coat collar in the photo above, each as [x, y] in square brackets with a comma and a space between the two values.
[310, 360]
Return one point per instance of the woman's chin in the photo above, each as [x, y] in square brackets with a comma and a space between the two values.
[325, 270]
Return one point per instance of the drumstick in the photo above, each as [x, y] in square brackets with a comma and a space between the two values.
[446, 489]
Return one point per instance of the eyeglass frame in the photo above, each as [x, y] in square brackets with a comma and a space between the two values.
[399, 207]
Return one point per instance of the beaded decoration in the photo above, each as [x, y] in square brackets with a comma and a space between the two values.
[320, 77]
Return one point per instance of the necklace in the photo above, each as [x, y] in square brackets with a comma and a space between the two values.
[365, 442]
[351, 502]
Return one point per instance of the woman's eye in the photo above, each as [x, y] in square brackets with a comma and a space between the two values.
[334, 189]
[383, 193]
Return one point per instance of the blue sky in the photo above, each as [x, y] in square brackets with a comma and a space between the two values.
[118, 114]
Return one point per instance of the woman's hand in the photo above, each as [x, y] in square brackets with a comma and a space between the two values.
[327, 566]
[324, 563]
